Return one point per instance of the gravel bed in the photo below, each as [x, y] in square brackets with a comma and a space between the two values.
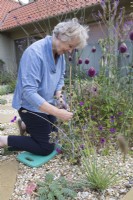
[60, 166]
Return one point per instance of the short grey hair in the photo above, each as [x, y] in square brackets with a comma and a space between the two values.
[71, 29]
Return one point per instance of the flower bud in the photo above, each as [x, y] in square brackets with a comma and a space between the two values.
[87, 61]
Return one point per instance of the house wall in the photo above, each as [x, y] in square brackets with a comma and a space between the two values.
[97, 31]
[7, 53]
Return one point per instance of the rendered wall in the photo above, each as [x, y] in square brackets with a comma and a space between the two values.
[7, 53]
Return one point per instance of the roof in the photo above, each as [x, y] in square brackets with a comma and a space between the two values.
[6, 6]
[13, 14]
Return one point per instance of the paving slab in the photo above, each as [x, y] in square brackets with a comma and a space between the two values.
[129, 195]
[8, 174]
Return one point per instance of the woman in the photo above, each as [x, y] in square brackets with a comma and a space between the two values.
[40, 79]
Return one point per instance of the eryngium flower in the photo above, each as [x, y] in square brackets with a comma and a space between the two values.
[112, 130]
[81, 103]
[123, 48]
[131, 35]
[87, 61]
[92, 72]
[100, 128]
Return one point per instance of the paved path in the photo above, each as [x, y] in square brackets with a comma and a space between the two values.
[129, 195]
[8, 173]
[8, 168]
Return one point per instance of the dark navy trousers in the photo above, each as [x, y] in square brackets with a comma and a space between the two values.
[39, 129]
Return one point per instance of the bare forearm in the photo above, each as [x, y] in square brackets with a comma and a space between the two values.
[59, 113]
[48, 108]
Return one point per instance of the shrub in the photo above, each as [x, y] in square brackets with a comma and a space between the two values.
[4, 89]
[3, 101]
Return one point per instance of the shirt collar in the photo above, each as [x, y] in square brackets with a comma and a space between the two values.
[49, 53]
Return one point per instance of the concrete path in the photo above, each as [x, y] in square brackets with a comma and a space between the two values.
[8, 168]
[8, 173]
[129, 195]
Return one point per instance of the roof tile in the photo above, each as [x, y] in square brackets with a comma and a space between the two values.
[13, 14]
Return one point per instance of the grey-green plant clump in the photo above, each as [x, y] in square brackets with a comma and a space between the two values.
[97, 175]
[55, 189]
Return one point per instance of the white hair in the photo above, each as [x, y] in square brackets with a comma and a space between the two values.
[70, 30]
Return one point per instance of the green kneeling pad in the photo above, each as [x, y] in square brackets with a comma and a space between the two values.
[33, 160]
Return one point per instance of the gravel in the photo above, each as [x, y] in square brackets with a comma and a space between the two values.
[60, 166]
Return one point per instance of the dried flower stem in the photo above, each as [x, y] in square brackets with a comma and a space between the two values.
[70, 88]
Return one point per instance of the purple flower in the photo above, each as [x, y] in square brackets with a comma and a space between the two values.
[14, 119]
[92, 117]
[112, 118]
[82, 146]
[87, 61]
[120, 113]
[92, 72]
[80, 61]
[103, 3]
[102, 140]
[81, 103]
[100, 128]
[123, 48]
[70, 58]
[116, 3]
[112, 130]
[58, 150]
[93, 49]
[131, 35]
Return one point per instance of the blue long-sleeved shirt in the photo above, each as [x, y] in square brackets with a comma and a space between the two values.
[39, 78]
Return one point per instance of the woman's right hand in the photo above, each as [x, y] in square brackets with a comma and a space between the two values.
[64, 115]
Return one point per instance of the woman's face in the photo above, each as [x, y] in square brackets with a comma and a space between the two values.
[61, 47]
